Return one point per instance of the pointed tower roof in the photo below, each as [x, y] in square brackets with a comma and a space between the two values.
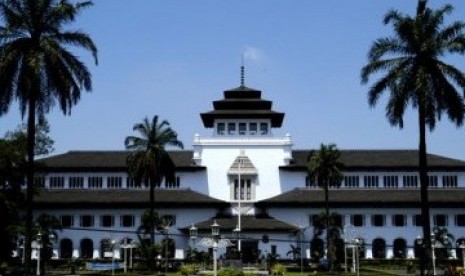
[242, 103]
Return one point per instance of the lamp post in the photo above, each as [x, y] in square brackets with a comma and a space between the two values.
[193, 232]
[357, 242]
[462, 246]
[39, 242]
[113, 242]
[166, 230]
[433, 254]
[215, 236]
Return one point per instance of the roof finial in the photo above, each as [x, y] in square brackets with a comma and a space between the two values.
[242, 71]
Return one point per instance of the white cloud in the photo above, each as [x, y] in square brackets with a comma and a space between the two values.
[252, 53]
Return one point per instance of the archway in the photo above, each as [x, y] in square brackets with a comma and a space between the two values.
[66, 249]
[379, 248]
[317, 248]
[400, 248]
[460, 242]
[105, 248]
[87, 248]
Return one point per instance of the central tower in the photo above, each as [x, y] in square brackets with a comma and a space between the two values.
[242, 156]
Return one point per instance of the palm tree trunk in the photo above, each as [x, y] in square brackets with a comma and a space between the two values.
[152, 211]
[327, 223]
[423, 170]
[29, 182]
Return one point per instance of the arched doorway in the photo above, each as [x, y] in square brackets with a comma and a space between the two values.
[66, 249]
[379, 248]
[418, 248]
[317, 248]
[400, 248]
[460, 248]
[105, 248]
[87, 248]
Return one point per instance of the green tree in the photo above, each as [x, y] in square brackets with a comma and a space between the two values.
[415, 74]
[12, 164]
[38, 70]
[325, 170]
[148, 161]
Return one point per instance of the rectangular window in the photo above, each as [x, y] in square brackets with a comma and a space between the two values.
[263, 128]
[370, 181]
[231, 128]
[76, 182]
[351, 181]
[95, 182]
[417, 221]
[114, 182]
[309, 183]
[314, 221]
[410, 181]
[357, 220]
[274, 250]
[449, 181]
[377, 220]
[440, 220]
[39, 181]
[245, 189]
[86, 221]
[127, 221]
[433, 181]
[253, 128]
[242, 128]
[399, 220]
[460, 220]
[67, 221]
[57, 182]
[168, 220]
[107, 221]
[391, 181]
[220, 129]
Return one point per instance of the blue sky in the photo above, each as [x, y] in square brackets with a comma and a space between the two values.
[172, 58]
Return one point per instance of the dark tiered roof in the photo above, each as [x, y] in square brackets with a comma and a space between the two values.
[242, 103]
[248, 223]
[372, 160]
[123, 198]
[366, 198]
[107, 161]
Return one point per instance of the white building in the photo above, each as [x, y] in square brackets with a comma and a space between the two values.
[379, 199]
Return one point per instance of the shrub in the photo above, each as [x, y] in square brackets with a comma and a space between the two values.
[278, 269]
[230, 272]
[188, 269]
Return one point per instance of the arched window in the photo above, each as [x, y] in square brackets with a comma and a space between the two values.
[379, 248]
[400, 248]
[66, 249]
[87, 248]
[460, 248]
[317, 249]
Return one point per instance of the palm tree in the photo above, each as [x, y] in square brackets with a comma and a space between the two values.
[415, 75]
[325, 170]
[149, 162]
[38, 70]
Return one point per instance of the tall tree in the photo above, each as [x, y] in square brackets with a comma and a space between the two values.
[412, 69]
[38, 70]
[325, 170]
[149, 162]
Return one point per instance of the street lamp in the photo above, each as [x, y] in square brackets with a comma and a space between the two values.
[113, 243]
[39, 242]
[215, 236]
[193, 232]
[433, 254]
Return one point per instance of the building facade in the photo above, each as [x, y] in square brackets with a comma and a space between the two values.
[246, 179]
